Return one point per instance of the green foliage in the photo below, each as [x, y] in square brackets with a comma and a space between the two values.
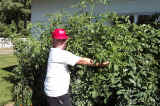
[32, 56]
[14, 13]
[132, 78]
[133, 52]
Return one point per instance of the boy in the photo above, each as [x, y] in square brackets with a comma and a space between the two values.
[57, 80]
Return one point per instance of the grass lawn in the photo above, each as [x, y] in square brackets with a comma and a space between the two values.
[7, 61]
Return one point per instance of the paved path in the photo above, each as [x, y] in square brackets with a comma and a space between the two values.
[6, 50]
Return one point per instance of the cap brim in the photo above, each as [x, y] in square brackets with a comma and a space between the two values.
[66, 37]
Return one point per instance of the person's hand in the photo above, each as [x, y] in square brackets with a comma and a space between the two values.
[90, 62]
[105, 64]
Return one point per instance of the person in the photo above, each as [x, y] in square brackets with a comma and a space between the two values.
[57, 79]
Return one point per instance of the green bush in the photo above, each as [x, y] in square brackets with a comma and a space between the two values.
[32, 56]
[133, 52]
[132, 78]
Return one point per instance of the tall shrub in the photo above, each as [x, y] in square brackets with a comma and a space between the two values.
[132, 78]
[32, 56]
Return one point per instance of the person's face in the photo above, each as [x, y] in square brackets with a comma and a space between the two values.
[64, 44]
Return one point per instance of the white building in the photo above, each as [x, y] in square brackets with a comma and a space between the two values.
[136, 8]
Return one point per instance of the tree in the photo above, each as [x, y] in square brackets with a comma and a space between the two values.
[15, 13]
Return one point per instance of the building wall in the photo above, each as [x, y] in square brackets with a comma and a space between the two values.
[43, 7]
[135, 6]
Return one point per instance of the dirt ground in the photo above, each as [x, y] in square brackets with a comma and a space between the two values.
[9, 104]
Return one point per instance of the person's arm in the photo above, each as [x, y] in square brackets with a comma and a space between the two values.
[90, 62]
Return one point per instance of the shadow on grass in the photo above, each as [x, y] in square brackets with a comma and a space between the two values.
[11, 78]
[10, 68]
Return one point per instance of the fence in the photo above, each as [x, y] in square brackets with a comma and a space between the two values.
[5, 43]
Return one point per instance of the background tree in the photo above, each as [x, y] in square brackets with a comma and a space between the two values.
[14, 17]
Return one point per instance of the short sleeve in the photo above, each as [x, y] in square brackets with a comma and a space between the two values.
[62, 57]
[70, 58]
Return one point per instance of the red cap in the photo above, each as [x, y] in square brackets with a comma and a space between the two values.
[59, 34]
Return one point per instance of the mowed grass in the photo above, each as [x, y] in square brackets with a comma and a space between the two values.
[7, 61]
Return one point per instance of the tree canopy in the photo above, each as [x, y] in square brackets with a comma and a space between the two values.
[14, 17]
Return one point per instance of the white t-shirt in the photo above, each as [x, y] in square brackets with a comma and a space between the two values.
[58, 78]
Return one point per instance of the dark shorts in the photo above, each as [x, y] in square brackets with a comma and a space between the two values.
[64, 100]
